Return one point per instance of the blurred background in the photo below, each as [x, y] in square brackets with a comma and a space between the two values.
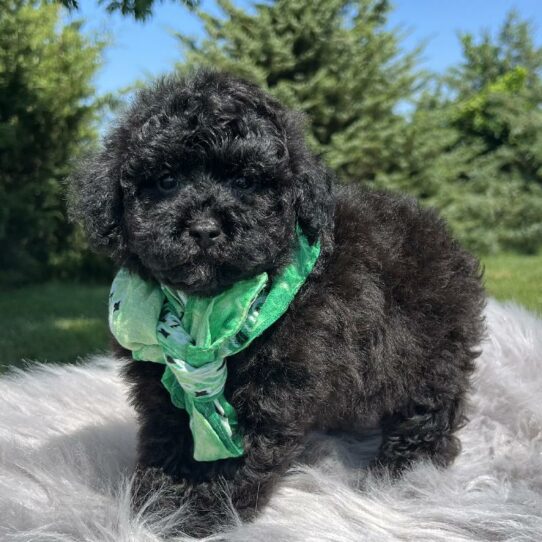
[442, 100]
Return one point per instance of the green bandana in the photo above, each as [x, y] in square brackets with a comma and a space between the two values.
[193, 335]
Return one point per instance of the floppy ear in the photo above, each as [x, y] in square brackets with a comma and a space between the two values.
[95, 201]
[314, 199]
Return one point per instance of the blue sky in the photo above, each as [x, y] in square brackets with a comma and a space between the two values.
[146, 49]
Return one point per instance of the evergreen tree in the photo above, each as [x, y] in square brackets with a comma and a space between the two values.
[488, 58]
[335, 60]
[46, 116]
[474, 147]
[140, 10]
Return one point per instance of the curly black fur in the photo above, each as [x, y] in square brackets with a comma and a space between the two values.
[384, 331]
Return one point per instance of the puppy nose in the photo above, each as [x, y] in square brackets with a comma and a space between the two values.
[205, 231]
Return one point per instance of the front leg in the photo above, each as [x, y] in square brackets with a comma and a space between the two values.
[274, 420]
[247, 483]
[164, 438]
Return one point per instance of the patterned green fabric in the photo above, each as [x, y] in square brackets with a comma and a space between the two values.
[194, 335]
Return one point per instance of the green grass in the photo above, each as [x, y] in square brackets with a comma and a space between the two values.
[517, 278]
[52, 322]
[61, 322]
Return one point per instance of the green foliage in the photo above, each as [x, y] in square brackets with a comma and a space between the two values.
[140, 10]
[46, 118]
[334, 60]
[474, 146]
[487, 59]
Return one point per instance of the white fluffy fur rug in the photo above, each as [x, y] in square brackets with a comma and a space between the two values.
[67, 442]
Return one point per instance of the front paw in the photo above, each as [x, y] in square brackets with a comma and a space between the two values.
[155, 491]
[194, 509]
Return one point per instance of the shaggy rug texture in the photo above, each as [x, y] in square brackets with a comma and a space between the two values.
[67, 439]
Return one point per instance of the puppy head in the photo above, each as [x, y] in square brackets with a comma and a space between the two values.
[201, 184]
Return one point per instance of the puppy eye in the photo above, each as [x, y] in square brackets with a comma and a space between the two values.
[167, 184]
[243, 183]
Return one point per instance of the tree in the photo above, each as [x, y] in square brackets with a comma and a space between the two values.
[46, 117]
[335, 60]
[489, 58]
[138, 9]
[474, 147]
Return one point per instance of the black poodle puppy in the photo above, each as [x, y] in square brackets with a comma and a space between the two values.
[200, 184]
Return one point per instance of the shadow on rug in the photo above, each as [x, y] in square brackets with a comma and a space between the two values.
[67, 440]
